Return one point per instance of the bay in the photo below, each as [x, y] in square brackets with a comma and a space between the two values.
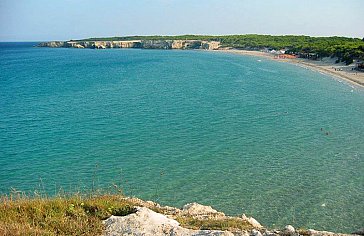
[272, 140]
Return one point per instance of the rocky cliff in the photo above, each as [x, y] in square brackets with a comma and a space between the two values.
[146, 44]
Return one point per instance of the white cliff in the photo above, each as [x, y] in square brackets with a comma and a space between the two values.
[146, 44]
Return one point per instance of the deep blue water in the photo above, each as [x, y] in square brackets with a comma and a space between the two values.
[175, 126]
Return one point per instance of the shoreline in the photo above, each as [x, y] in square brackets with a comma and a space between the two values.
[327, 67]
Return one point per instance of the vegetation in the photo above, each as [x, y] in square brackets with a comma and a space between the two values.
[345, 49]
[74, 215]
[83, 215]
[230, 224]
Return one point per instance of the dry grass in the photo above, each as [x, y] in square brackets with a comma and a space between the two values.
[303, 232]
[82, 215]
[74, 215]
[230, 224]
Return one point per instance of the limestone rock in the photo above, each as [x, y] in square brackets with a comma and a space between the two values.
[147, 222]
[144, 221]
[53, 44]
[255, 232]
[177, 44]
[167, 210]
[289, 230]
[200, 211]
[312, 232]
[157, 44]
[147, 44]
[270, 233]
[252, 221]
[142, 203]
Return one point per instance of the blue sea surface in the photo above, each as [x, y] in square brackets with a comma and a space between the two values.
[272, 140]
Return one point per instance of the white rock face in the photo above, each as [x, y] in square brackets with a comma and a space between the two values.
[200, 211]
[161, 44]
[289, 229]
[147, 222]
[252, 221]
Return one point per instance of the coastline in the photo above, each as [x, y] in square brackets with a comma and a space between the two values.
[327, 67]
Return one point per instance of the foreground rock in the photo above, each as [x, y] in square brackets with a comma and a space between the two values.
[193, 219]
[148, 222]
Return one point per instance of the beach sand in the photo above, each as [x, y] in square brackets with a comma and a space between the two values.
[325, 66]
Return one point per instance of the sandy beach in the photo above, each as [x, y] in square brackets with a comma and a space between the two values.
[326, 66]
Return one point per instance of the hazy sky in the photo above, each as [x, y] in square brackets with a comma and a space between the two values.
[36, 20]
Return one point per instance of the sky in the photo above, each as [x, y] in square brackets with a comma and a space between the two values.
[44, 20]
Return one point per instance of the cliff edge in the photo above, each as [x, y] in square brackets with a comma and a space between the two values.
[146, 44]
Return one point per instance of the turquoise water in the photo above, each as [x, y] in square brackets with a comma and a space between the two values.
[225, 130]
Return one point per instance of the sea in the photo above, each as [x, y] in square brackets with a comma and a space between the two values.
[246, 135]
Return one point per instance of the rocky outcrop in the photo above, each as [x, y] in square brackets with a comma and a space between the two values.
[252, 221]
[312, 232]
[201, 212]
[92, 44]
[148, 222]
[53, 44]
[156, 44]
[179, 44]
[146, 44]
[152, 219]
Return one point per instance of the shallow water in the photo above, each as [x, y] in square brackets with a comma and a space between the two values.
[225, 130]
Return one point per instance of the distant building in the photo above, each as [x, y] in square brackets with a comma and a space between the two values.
[273, 51]
[311, 56]
[277, 52]
[285, 56]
